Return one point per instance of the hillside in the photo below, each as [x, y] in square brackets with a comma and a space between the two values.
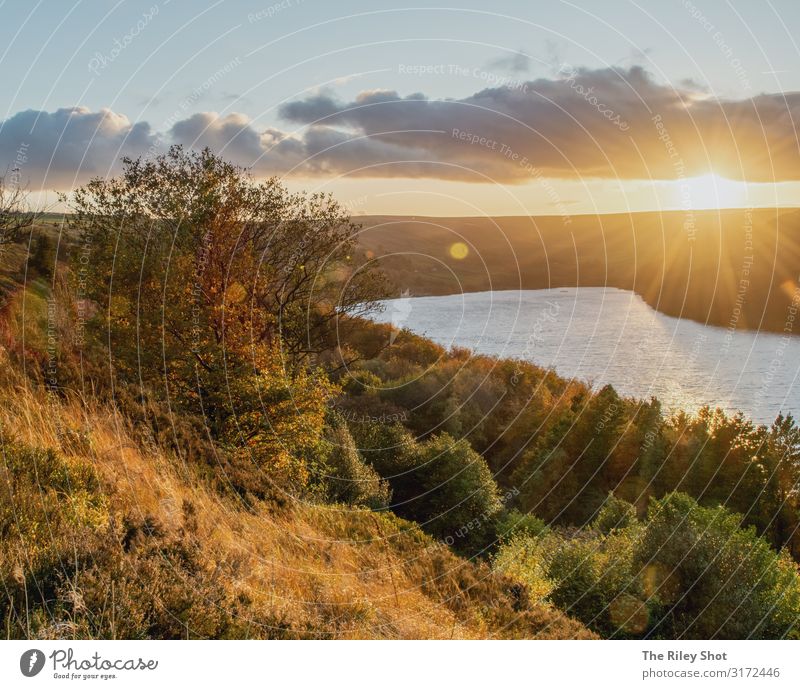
[177, 463]
[732, 268]
[105, 536]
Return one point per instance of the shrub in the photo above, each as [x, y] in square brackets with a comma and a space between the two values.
[448, 488]
[347, 477]
[43, 256]
[615, 514]
[277, 421]
[687, 572]
[510, 523]
[595, 581]
[712, 578]
[523, 558]
[386, 447]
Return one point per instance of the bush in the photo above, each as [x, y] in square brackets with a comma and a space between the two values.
[687, 572]
[615, 514]
[594, 580]
[347, 477]
[512, 523]
[447, 487]
[43, 256]
[713, 579]
[386, 447]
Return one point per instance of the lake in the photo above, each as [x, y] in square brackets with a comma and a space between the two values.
[605, 335]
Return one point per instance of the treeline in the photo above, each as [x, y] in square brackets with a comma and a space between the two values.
[224, 319]
[560, 448]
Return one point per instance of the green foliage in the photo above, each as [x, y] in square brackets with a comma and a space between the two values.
[711, 578]
[510, 523]
[447, 487]
[347, 478]
[524, 559]
[594, 580]
[686, 572]
[615, 514]
[385, 446]
[47, 505]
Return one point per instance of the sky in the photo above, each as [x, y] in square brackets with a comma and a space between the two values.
[479, 108]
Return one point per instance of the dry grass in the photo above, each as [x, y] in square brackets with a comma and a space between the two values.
[303, 570]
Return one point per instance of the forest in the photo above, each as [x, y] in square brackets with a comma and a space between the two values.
[203, 436]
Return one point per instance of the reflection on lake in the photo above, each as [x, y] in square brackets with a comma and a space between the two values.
[606, 335]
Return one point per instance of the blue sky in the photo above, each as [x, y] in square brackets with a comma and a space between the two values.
[314, 42]
[181, 57]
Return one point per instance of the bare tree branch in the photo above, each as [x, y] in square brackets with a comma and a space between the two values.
[16, 215]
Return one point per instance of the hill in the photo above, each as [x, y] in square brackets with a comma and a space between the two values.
[106, 536]
[731, 268]
[176, 463]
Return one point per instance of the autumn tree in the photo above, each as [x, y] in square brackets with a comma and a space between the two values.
[216, 292]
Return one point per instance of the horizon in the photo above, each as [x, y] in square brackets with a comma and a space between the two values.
[418, 216]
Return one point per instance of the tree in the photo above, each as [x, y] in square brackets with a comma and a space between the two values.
[43, 256]
[15, 213]
[712, 579]
[448, 488]
[347, 477]
[195, 265]
[216, 292]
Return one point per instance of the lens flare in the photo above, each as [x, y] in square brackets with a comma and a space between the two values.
[459, 251]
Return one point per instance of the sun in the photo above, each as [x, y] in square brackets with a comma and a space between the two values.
[713, 191]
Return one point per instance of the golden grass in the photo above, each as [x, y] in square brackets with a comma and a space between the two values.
[304, 569]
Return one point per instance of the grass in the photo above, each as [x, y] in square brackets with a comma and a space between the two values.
[302, 570]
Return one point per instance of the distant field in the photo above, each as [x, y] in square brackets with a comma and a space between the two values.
[732, 268]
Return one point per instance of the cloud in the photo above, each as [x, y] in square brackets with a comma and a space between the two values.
[599, 123]
[516, 63]
[57, 149]
[606, 123]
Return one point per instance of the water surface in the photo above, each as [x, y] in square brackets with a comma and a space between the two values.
[605, 335]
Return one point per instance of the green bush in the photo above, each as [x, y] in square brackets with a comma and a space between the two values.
[441, 483]
[510, 523]
[594, 580]
[711, 578]
[348, 479]
[615, 514]
[448, 488]
[386, 447]
[42, 256]
[686, 572]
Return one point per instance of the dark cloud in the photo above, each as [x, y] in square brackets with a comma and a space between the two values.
[604, 123]
[596, 123]
[57, 149]
[231, 136]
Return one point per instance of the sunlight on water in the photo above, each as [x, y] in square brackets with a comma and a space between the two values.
[605, 335]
